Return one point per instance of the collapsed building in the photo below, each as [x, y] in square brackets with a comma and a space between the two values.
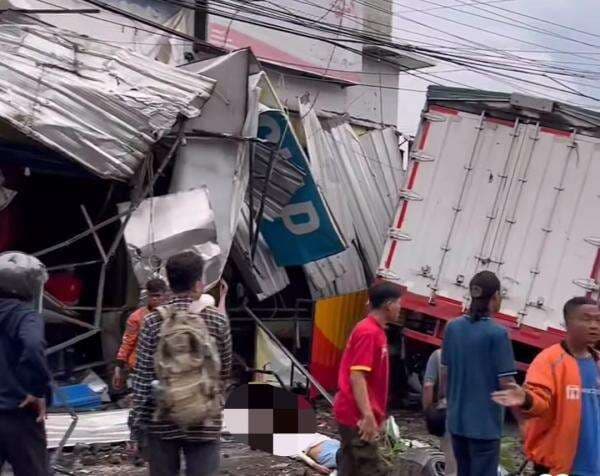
[112, 161]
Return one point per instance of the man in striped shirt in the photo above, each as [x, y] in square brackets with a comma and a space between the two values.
[164, 441]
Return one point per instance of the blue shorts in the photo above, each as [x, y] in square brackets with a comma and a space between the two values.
[328, 454]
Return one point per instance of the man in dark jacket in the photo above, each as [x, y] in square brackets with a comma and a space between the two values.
[25, 378]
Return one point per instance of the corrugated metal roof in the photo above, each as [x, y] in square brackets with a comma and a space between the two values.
[97, 104]
[360, 179]
[549, 113]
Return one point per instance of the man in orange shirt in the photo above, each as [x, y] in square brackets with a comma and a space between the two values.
[126, 357]
[561, 398]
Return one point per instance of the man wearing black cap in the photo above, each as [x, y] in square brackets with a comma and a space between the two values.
[478, 360]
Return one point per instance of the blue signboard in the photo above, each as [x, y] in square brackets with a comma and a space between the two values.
[305, 230]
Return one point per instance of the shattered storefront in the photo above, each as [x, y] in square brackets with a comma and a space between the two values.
[112, 162]
[84, 126]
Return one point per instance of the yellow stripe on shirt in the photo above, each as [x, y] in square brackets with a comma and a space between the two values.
[361, 367]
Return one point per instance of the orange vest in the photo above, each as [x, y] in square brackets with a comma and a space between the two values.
[128, 350]
[552, 430]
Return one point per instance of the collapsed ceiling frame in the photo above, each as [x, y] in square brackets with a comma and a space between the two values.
[107, 255]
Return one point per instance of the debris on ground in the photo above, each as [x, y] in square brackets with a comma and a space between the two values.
[239, 459]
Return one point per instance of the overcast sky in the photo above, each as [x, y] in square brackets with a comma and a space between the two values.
[443, 23]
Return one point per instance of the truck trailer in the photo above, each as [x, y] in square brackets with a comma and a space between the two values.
[501, 182]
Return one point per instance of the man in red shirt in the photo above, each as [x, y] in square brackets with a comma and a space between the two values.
[361, 403]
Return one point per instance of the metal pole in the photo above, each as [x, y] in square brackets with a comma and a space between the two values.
[512, 219]
[290, 356]
[100, 295]
[74, 340]
[132, 207]
[102, 280]
[547, 229]
[74, 419]
[90, 224]
[201, 21]
[458, 207]
[73, 265]
[251, 194]
[261, 208]
[493, 214]
[79, 236]
[73, 321]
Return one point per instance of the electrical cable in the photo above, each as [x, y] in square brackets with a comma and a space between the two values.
[569, 90]
[513, 23]
[418, 75]
[477, 28]
[520, 59]
[596, 35]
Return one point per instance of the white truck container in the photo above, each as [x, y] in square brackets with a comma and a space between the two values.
[502, 182]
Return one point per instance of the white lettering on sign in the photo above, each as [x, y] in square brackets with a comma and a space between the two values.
[274, 133]
[573, 392]
[309, 224]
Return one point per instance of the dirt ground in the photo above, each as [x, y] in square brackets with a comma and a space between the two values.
[239, 459]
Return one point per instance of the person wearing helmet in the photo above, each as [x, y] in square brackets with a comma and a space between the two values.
[25, 377]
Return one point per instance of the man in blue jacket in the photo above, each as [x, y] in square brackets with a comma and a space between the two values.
[24, 374]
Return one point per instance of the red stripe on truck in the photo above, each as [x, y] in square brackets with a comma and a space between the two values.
[388, 261]
[409, 186]
[425, 134]
[444, 110]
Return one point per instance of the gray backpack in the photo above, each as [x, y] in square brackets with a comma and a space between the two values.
[188, 368]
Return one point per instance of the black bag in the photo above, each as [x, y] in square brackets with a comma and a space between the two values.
[435, 415]
[435, 419]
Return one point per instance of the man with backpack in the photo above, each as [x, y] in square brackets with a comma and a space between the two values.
[24, 373]
[183, 365]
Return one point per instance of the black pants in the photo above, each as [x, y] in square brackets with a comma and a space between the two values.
[476, 457]
[164, 456]
[23, 443]
[359, 458]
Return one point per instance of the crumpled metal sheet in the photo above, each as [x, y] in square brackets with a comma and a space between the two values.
[92, 427]
[100, 105]
[263, 276]
[112, 27]
[286, 179]
[360, 179]
[163, 226]
[221, 164]
[337, 275]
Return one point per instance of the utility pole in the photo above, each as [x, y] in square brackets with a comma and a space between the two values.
[201, 22]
